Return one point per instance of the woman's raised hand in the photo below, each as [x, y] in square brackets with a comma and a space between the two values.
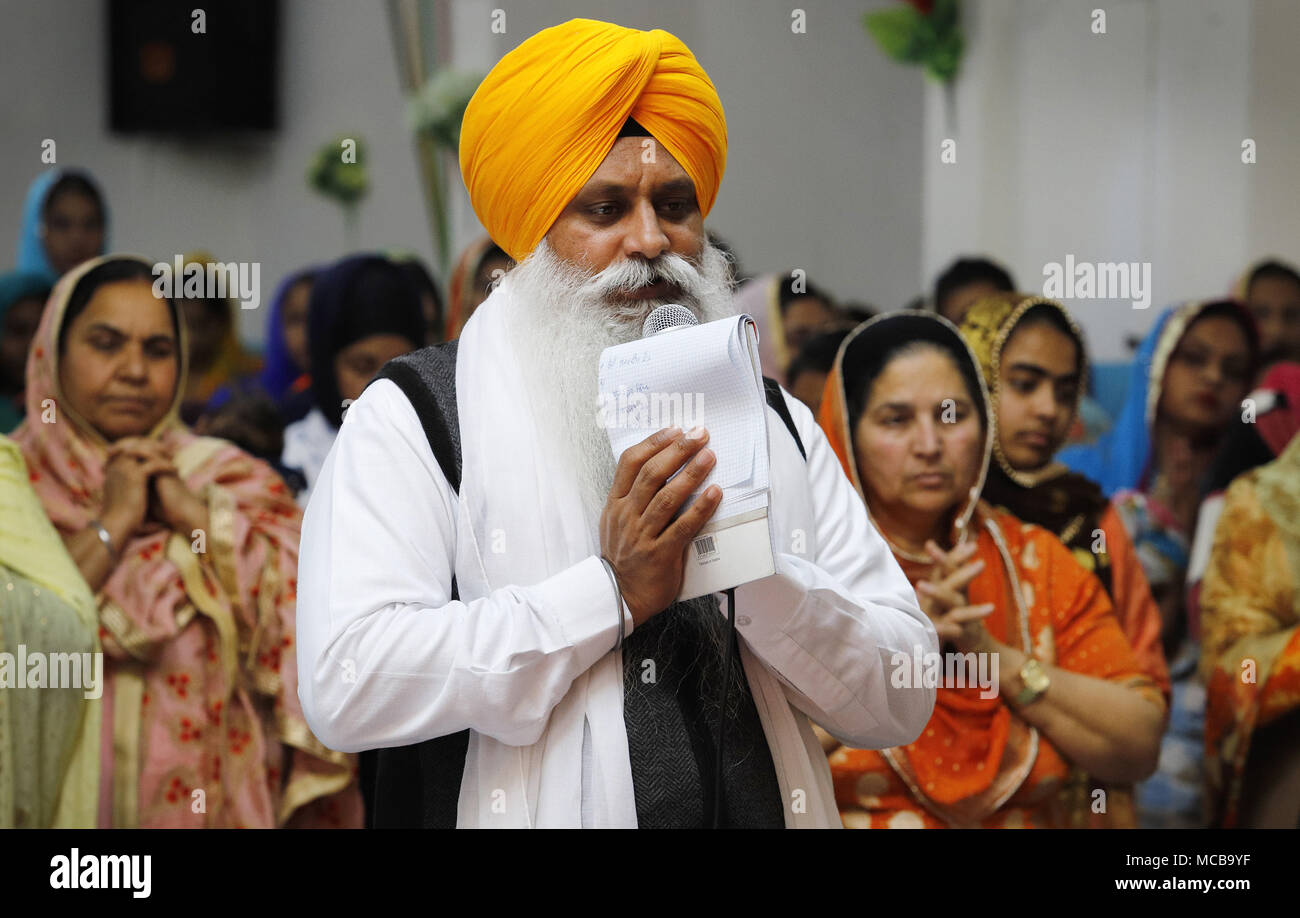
[943, 597]
[132, 462]
[174, 505]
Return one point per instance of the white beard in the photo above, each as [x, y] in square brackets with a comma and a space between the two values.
[563, 318]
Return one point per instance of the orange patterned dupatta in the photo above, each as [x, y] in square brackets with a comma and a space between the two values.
[1250, 614]
[202, 725]
[973, 755]
[977, 763]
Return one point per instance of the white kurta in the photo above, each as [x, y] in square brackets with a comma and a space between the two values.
[524, 659]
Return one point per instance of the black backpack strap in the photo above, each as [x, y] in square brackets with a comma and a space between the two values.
[427, 378]
[418, 786]
[772, 389]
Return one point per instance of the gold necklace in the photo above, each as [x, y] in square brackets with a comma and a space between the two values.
[904, 553]
[914, 556]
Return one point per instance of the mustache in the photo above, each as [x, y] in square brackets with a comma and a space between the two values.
[632, 274]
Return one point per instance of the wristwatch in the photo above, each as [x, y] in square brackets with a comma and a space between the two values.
[1035, 681]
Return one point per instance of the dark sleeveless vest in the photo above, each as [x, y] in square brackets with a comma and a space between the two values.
[672, 719]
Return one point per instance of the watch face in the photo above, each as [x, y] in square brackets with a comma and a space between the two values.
[1034, 676]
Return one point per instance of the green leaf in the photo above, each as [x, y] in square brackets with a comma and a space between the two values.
[926, 35]
[946, 58]
[895, 30]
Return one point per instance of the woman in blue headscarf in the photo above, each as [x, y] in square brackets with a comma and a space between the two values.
[1187, 384]
[285, 375]
[22, 298]
[65, 222]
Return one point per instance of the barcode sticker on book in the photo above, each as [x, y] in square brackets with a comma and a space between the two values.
[704, 546]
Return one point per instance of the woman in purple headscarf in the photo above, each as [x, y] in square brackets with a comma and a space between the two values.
[363, 312]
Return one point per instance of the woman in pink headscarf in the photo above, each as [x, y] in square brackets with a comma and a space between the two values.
[190, 546]
[789, 312]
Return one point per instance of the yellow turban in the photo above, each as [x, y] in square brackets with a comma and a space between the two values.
[548, 114]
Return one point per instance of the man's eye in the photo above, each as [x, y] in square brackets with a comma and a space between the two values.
[603, 210]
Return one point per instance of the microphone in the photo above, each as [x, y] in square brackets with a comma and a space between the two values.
[665, 318]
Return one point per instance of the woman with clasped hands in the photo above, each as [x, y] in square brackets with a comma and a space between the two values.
[190, 546]
[1036, 677]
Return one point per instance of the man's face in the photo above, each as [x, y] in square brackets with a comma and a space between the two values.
[804, 319]
[639, 204]
[1275, 303]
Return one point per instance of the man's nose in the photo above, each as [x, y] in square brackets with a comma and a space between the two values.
[1270, 331]
[645, 236]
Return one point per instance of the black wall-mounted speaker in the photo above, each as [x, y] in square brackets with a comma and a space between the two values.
[195, 67]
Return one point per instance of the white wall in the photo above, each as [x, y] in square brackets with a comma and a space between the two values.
[1273, 192]
[1120, 147]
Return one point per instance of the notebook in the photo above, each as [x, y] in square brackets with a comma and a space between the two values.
[708, 375]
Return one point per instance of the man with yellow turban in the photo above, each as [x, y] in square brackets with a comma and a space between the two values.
[489, 599]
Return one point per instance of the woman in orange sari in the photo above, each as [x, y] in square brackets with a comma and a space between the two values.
[1058, 686]
[190, 547]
